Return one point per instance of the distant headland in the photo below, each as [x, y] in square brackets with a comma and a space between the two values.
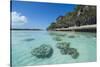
[27, 29]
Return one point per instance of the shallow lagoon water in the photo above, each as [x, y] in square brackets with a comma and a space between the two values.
[24, 41]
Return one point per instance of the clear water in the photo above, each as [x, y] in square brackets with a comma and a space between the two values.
[24, 41]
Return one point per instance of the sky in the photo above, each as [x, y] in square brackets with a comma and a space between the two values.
[37, 14]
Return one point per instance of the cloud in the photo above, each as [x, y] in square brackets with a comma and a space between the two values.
[18, 19]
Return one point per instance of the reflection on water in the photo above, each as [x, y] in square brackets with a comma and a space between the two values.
[57, 34]
[42, 47]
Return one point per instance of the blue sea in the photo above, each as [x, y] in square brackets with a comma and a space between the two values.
[24, 41]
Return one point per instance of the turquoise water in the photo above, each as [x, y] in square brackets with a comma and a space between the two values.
[24, 41]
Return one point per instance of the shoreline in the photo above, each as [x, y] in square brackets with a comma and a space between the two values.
[84, 28]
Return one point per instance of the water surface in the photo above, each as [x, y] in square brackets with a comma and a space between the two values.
[24, 41]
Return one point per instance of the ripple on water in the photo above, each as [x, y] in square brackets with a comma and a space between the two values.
[21, 50]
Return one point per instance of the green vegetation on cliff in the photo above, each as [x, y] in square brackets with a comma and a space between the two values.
[82, 15]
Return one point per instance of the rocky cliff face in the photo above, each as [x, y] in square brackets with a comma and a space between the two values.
[86, 16]
[83, 15]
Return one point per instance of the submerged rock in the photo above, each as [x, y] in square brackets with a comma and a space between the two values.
[73, 52]
[66, 50]
[57, 39]
[75, 55]
[71, 36]
[29, 39]
[43, 51]
[63, 45]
